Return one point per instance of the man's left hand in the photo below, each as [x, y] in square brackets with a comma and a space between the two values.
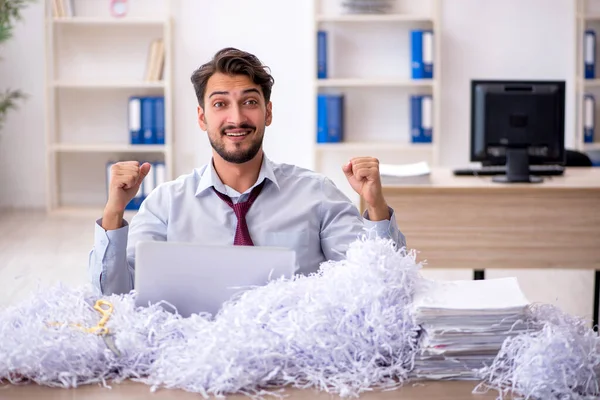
[363, 175]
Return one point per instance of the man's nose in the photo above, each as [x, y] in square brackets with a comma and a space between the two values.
[236, 116]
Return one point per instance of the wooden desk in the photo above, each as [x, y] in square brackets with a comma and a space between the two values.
[472, 222]
[451, 390]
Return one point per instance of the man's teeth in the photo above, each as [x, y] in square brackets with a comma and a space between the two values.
[237, 134]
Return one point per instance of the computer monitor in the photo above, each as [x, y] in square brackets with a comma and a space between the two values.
[517, 124]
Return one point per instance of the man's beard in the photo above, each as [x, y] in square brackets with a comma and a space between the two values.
[239, 156]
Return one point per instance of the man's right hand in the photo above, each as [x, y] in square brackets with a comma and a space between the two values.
[125, 180]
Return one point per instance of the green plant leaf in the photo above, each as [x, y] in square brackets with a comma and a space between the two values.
[9, 100]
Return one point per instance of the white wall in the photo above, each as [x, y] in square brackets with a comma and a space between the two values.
[22, 152]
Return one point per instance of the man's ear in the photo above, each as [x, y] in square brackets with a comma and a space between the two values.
[201, 118]
[269, 114]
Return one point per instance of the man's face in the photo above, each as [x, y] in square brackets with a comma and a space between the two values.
[235, 116]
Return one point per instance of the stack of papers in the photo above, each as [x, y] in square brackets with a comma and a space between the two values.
[367, 6]
[398, 174]
[464, 324]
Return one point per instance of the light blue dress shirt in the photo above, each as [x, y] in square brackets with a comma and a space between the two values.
[297, 208]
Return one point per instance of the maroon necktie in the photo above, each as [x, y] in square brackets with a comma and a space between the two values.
[242, 235]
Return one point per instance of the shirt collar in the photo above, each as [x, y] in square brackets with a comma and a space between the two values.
[209, 177]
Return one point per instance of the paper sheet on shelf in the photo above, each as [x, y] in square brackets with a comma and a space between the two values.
[404, 173]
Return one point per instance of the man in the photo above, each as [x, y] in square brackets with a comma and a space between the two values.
[277, 204]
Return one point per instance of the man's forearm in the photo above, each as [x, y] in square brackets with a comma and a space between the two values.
[379, 212]
[112, 220]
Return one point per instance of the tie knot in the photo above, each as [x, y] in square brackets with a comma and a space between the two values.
[242, 207]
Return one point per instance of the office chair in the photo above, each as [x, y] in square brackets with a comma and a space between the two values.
[577, 159]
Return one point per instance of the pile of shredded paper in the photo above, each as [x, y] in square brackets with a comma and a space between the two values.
[344, 330]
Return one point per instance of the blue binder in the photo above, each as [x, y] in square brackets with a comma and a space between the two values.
[589, 54]
[421, 118]
[134, 120]
[330, 118]
[322, 54]
[159, 120]
[421, 41]
[321, 118]
[147, 123]
[589, 118]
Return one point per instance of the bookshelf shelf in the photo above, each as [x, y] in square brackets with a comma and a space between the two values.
[107, 148]
[370, 67]
[97, 68]
[590, 17]
[366, 82]
[89, 21]
[590, 82]
[591, 146]
[374, 146]
[108, 85]
[374, 18]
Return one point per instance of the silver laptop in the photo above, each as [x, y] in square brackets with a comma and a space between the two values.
[198, 278]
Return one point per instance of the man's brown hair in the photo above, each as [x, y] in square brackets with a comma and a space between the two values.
[232, 61]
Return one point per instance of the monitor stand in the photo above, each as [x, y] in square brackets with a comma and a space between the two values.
[517, 168]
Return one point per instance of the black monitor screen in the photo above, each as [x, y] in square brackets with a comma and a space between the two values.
[517, 114]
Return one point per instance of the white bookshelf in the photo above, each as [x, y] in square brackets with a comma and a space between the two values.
[108, 85]
[369, 62]
[373, 18]
[94, 63]
[587, 14]
[374, 146]
[109, 21]
[373, 82]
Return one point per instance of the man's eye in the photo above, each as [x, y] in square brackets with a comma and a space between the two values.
[252, 102]
[219, 104]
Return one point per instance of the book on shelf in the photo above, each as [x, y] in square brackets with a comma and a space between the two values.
[367, 6]
[422, 54]
[156, 176]
[589, 54]
[322, 54]
[156, 61]
[589, 117]
[330, 118]
[421, 118]
[146, 123]
[63, 8]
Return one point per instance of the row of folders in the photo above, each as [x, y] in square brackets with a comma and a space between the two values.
[156, 176]
[421, 54]
[146, 120]
[331, 118]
